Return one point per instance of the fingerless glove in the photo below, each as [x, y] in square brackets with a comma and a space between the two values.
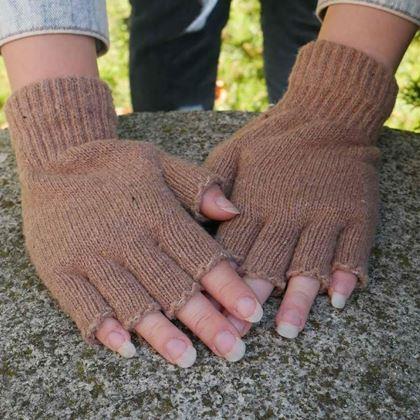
[304, 173]
[102, 217]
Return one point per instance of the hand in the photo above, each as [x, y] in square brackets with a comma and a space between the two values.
[304, 178]
[106, 231]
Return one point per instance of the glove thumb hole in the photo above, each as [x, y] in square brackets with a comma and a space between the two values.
[223, 161]
[195, 187]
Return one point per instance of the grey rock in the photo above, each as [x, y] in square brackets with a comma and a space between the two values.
[362, 362]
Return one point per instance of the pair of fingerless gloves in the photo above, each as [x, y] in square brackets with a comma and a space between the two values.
[109, 223]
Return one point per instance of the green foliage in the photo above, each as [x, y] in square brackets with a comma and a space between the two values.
[241, 68]
[4, 91]
[406, 114]
[411, 92]
[113, 66]
[241, 83]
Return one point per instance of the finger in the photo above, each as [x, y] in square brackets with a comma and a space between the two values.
[271, 253]
[297, 302]
[238, 235]
[262, 289]
[268, 256]
[159, 275]
[166, 339]
[225, 285]
[122, 291]
[80, 299]
[342, 286]
[189, 246]
[188, 181]
[216, 206]
[353, 249]
[213, 329]
[314, 252]
[214, 302]
[112, 335]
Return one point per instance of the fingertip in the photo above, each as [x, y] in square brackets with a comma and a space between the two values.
[342, 286]
[127, 350]
[216, 206]
[188, 358]
[287, 330]
[338, 300]
[181, 352]
[296, 305]
[241, 326]
[112, 335]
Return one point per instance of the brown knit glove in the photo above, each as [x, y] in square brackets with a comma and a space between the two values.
[304, 173]
[102, 221]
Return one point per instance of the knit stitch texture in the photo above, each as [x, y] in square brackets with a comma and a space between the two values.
[304, 175]
[103, 217]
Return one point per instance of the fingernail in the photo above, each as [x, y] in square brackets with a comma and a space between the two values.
[231, 347]
[181, 353]
[224, 204]
[127, 350]
[249, 309]
[120, 344]
[338, 300]
[287, 330]
[290, 324]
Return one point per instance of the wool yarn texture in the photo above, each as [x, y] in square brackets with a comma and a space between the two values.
[105, 220]
[304, 174]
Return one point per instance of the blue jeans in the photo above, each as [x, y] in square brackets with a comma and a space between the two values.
[175, 44]
[20, 18]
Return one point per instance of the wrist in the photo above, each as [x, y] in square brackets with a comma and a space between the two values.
[379, 34]
[48, 117]
[340, 84]
[35, 58]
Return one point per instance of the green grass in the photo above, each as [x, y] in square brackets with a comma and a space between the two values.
[241, 83]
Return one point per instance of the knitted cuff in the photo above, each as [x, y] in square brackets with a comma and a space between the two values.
[48, 117]
[341, 84]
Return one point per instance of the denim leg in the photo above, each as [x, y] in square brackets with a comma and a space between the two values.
[22, 18]
[170, 67]
[287, 25]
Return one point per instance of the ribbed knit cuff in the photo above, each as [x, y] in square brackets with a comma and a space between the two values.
[48, 117]
[341, 84]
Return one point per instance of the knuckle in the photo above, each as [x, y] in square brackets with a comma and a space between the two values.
[301, 297]
[226, 290]
[201, 322]
[153, 328]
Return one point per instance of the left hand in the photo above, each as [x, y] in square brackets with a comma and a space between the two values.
[304, 178]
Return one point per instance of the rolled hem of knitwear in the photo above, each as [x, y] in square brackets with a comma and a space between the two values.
[185, 297]
[216, 260]
[133, 321]
[324, 280]
[89, 334]
[362, 278]
[322, 9]
[202, 188]
[277, 282]
[102, 42]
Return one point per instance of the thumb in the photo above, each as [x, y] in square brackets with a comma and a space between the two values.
[222, 161]
[197, 188]
[216, 206]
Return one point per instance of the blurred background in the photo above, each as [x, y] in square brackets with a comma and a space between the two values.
[240, 84]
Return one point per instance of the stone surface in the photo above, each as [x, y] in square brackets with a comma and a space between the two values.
[361, 362]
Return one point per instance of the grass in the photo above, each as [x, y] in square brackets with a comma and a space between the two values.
[240, 83]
